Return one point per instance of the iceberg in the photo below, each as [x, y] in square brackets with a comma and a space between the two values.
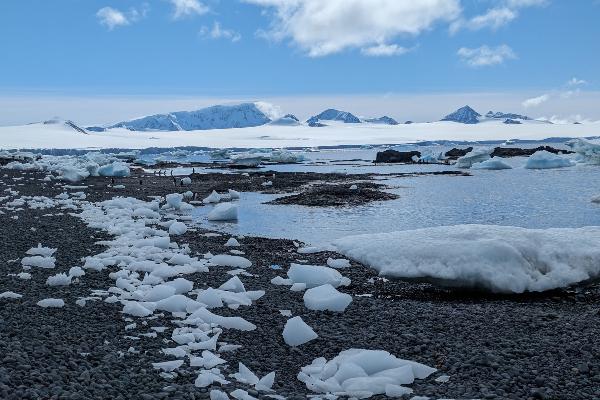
[546, 160]
[473, 157]
[494, 163]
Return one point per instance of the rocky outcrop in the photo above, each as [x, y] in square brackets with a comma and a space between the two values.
[456, 153]
[393, 156]
[507, 152]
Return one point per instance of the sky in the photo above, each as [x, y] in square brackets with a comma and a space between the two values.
[99, 61]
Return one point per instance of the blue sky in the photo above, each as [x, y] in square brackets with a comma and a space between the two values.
[535, 49]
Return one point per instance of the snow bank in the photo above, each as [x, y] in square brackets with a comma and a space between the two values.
[496, 258]
[545, 160]
[494, 163]
[473, 157]
[362, 373]
[296, 332]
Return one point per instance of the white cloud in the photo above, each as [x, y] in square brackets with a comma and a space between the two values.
[112, 18]
[384, 50]
[486, 56]
[216, 32]
[576, 82]
[186, 8]
[493, 19]
[320, 28]
[536, 101]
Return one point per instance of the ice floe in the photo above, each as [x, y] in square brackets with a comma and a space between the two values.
[545, 160]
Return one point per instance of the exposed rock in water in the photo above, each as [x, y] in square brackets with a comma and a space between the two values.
[393, 156]
[518, 152]
[457, 153]
[335, 196]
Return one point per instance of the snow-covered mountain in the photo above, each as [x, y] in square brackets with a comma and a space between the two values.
[215, 117]
[67, 123]
[505, 116]
[332, 114]
[286, 120]
[385, 120]
[464, 115]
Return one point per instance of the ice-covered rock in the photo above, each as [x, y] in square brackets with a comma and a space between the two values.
[546, 160]
[495, 258]
[326, 297]
[494, 163]
[296, 332]
[362, 372]
[232, 242]
[224, 212]
[234, 194]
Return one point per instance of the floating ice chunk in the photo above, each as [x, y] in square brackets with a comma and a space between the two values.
[186, 181]
[51, 303]
[494, 163]
[58, 280]
[224, 212]
[226, 260]
[326, 297]
[10, 295]
[296, 332]
[338, 263]
[232, 242]
[265, 384]
[596, 199]
[136, 309]
[233, 194]
[41, 251]
[314, 275]
[233, 285]
[177, 228]
[24, 275]
[473, 157]
[39, 262]
[168, 366]
[116, 168]
[214, 197]
[496, 258]
[544, 160]
[370, 372]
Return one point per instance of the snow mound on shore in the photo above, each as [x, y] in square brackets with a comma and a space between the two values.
[495, 258]
[362, 374]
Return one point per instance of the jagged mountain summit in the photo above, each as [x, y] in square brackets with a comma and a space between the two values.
[332, 114]
[505, 116]
[215, 117]
[464, 115]
[385, 120]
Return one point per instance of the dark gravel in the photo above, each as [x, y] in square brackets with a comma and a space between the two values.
[495, 347]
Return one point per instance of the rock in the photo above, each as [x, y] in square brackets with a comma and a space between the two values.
[393, 156]
[518, 152]
[457, 153]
